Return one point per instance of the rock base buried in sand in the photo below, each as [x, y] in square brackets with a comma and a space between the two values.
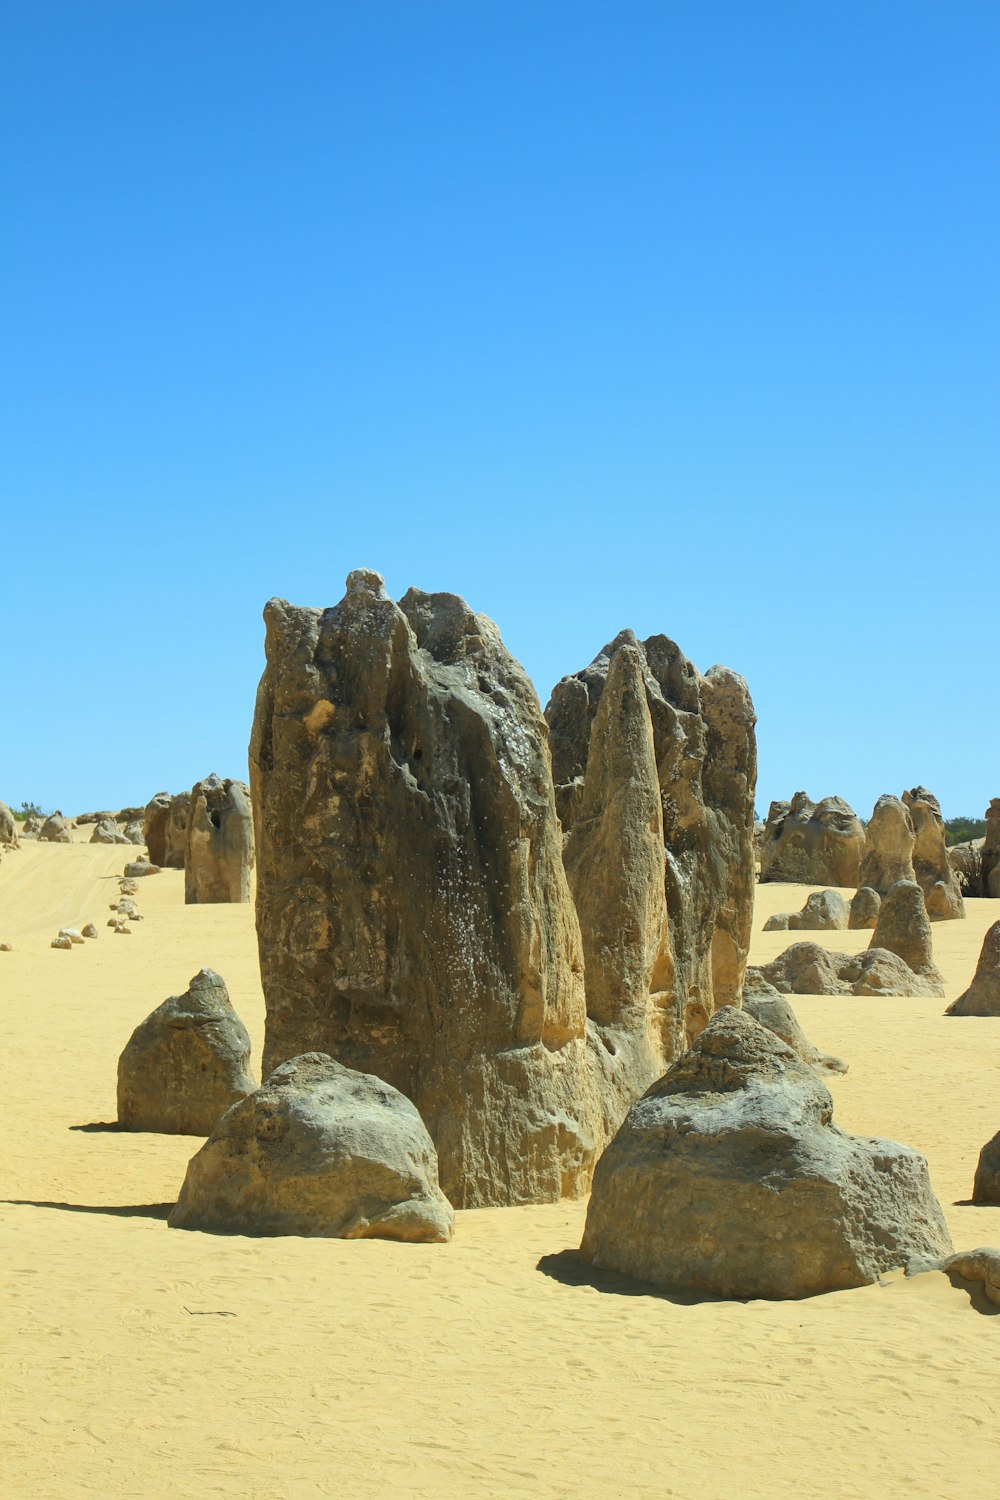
[766, 1005]
[186, 1063]
[824, 911]
[728, 1178]
[982, 998]
[318, 1150]
[986, 1188]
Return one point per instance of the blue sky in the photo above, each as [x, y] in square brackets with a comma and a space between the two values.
[682, 316]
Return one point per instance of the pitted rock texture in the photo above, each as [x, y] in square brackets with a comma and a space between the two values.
[888, 851]
[729, 1178]
[865, 907]
[812, 843]
[186, 1063]
[413, 915]
[808, 969]
[982, 998]
[219, 858]
[932, 867]
[705, 757]
[318, 1150]
[986, 1188]
[824, 911]
[768, 1006]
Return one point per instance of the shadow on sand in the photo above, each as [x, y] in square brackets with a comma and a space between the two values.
[568, 1267]
[124, 1211]
[96, 1125]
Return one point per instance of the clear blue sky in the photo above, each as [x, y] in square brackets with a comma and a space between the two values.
[676, 315]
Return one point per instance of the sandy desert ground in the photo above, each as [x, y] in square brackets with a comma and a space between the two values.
[139, 1361]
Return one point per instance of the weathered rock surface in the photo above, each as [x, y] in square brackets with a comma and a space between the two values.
[812, 843]
[986, 1188]
[415, 918]
[982, 998]
[990, 858]
[967, 862]
[219, 858]
[175, 833]
[704, 750]
[136, 868]
[154, 827]
[932, 867]
[808, 969]
[824, 911]
[728, 1178]
[318, 1150]
[55, 830]
[8, 827]
[133, 833]
[61, 942]
[88, 930]
[865, 907]
[904, 929]
[888, 850]
[106, 831]
[186, 1063]
[977, 1265]
[766, 1005]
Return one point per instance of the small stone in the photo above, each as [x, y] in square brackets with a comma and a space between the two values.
[6, 948]
[140, 867]
[89, 931]
[71, 933]
[61, 942]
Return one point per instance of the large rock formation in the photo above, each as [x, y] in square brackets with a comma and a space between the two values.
[888, 851]
[220, 846]
[704, 754]
[982, 998]
[318, 1150]
[414, 915]
[154, 827]
[768, 1006]
[55, 830]
[899, 959]
[986, 1188]
[865, 907]
[175, 836]
[824, 911]
[990, 857]
[186, 1063]
[812, 843]
[933, 870]
[728, 1178]
[106, 831]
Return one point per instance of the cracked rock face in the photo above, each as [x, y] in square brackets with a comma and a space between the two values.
[415, 916]
[934, 871]
[219, 854]
[186, 1063]
[318, 1150]
[729, 1178]
[818, 843]
[702, 773]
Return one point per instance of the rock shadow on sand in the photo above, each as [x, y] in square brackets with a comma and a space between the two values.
[117, 1211]
[570, 1268]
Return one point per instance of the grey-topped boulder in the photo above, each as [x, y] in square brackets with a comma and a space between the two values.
[823, 911]
[982, 998]
[986, 1188]
[808, 969]
[932, 867]
[106, 831]
[729, 1178]
[318, 1150]
[768, 1006]
[219, 858]
[888, 851]
[186, 1063]
[812, 843]
[137, 868]
[55, 830]
[864, 910]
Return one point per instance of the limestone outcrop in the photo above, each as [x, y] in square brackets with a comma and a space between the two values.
[888, 851]
[318, 1150]
[415, 917]
[8, 827]
[186, 1063]
[106, 831]
[219, 857]
[986, 1188]
[812, 843]
[729, 1178]
[977, 1265]
[824, 911]
[967, 862]
[768, 1006]
[55, 830]
[154, 827]
[864, 910]
[982, 998]
[990, 858]
[932, 867]
[898, 961]
[705, 759]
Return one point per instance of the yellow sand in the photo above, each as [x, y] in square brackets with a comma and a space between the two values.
[142, 1362]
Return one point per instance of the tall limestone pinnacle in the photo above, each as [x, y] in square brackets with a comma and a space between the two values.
[414, 915]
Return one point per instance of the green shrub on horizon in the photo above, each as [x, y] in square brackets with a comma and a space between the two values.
[961, 830]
